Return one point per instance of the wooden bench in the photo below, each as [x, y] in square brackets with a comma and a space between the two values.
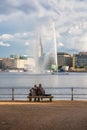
[39, 98]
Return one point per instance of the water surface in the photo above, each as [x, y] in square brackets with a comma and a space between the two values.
[9, 79]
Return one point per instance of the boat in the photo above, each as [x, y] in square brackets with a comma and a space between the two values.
[60, 73]
[13, 70]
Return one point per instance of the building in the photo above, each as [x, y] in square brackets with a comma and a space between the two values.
[81, 60]
[8, 63]
[16, 63]
[64, 59]
[0, 64]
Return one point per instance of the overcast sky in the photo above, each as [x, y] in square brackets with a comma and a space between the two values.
[23, 21]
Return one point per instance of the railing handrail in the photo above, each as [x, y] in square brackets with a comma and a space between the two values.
[73, 91]
[26, 87]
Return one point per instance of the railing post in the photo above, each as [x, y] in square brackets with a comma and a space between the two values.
[12, 94]
[71, 94]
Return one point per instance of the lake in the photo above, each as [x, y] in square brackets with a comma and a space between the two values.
[9, 79]
[24, 80]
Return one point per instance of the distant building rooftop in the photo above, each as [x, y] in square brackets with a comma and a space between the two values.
[82, 53]
[62, 53]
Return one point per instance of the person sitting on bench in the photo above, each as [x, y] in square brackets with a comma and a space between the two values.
[40, 90]
[33, 92]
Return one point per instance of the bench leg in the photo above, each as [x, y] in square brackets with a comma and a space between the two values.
[38, 99]
[41, 99]
[50, 99]
[30, 99]
[34, 99]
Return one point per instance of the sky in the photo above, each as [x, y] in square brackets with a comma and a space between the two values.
[24, 22]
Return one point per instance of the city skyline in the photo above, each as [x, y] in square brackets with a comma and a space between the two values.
[21, 22]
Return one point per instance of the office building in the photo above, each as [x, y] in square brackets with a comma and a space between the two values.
[64, 59]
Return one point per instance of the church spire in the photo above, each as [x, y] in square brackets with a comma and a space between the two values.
[40, 47]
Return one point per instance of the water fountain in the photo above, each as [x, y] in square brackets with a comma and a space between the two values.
[46, 62]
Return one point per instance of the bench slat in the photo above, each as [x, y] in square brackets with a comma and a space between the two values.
[40, 97]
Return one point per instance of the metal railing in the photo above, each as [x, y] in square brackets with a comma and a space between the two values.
[65, 93]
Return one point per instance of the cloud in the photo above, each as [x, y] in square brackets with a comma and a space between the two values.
[27, 43]
[60, 44]
[82, 43]
[4, 44]
[78, 28]
[6, 37]
[23, 35]
[22, 21]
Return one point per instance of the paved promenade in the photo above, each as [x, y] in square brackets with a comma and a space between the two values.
[58, 115]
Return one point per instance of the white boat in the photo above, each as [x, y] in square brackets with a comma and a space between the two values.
[9, 70]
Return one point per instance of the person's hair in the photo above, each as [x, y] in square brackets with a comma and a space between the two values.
[40, 84]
